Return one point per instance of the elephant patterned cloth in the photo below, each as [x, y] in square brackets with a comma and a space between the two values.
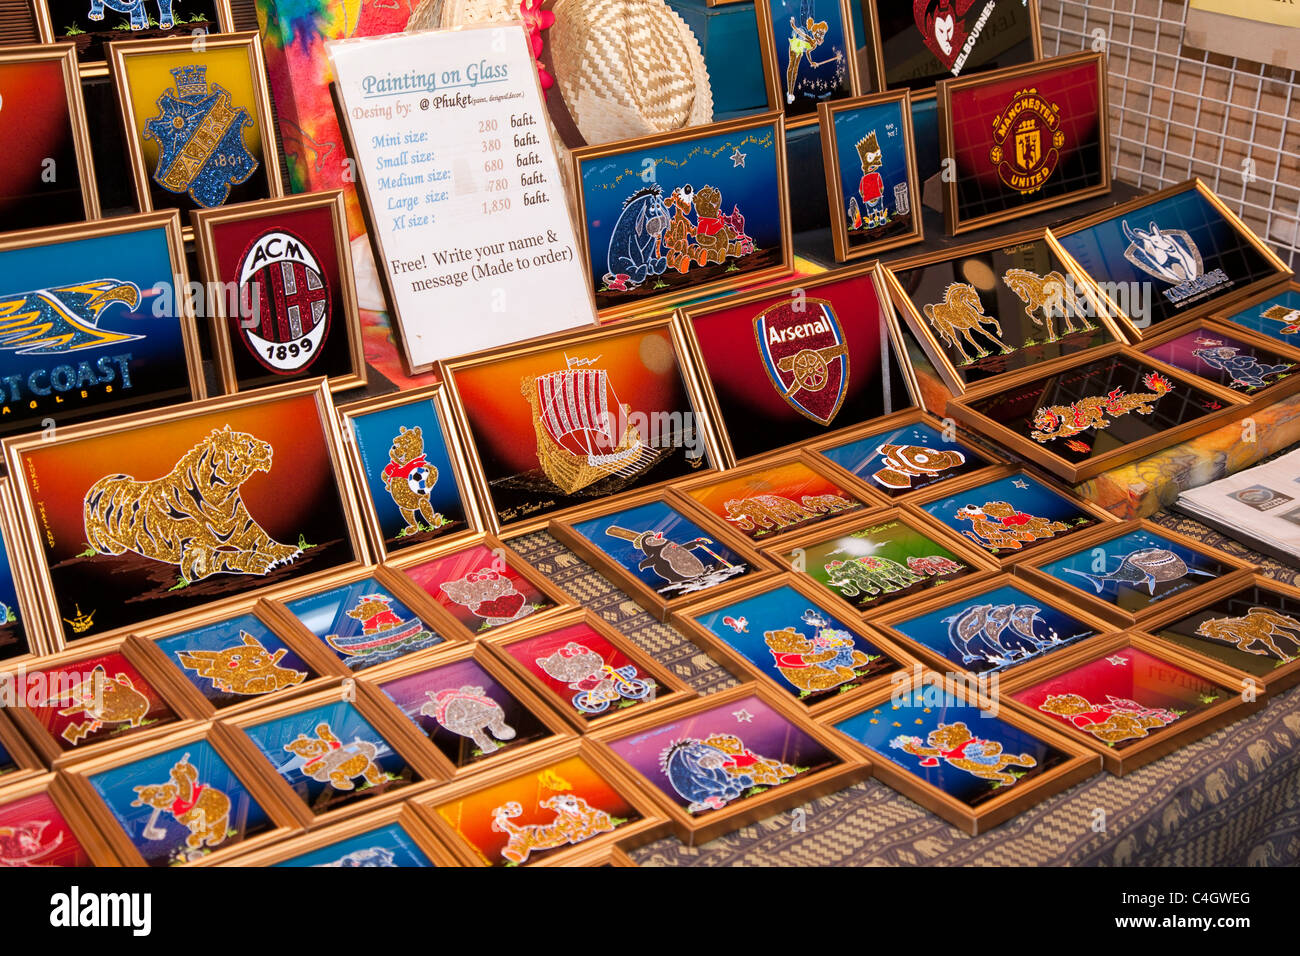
[1228, 799]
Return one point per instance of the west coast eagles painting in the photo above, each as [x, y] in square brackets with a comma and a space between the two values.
[193, 517]
[200, 136]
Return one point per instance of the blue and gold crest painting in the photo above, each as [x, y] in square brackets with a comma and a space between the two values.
[388, 845]
[200, 138]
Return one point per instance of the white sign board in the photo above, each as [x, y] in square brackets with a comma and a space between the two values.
[470, 226]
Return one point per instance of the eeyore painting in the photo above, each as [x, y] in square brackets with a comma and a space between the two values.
[695, 769]
[635, 248]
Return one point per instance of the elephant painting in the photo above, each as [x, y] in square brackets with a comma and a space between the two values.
[468, 711]
[135, 9]
[869, 575]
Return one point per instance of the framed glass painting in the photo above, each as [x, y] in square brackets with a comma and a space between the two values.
[389, 837]
[783, 634]
[409, 463]
[197, 122]
[92, 322]
[722, 761]
[279, 275]
[573, 420]
[808, 55]
[657, 553]
[770, 499]
[903, 454]
[42, 824]
[1251, 630]
[187, 799]
[1079, 418]
[1275, 314]
[337, 753]
[364, 618]
[231, 660]
[872, 185]
[95, 702]
[46, 174]
[995, 307]
[17, 759]
[1173, 255]
[22, 628]
[91, 25]
[482, 584]
[918, 43]
[257, 495]
[938, 742]
[678, 215]
[470, 707]
[876, 560]
[799, 360]
[1011, 513]
[1249, 364]
[550, 809]
[988, 627]
[1024, 139]
[1129, 699]
[1125, 572]
[589, 673]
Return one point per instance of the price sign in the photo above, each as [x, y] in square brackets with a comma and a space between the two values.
[469, 223]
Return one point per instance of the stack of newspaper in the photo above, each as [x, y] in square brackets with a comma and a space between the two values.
[1260, 506]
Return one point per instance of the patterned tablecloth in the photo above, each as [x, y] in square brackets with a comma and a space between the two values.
[1232, 798]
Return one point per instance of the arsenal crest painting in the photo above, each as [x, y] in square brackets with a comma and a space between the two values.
[997, 306]
[153, 514]
[808, 55]
[91, 25]
[799, 360]
[871, 180]
[197, 122]
[46, 173]
[90, 322]
[1024, 139]
[573, 420]
[1080, 420]
[292, 312]
[408, 463]
[674, 216]
[1173, 255]
[916, 43]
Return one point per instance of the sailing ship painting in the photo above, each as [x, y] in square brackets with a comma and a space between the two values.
[584, 435]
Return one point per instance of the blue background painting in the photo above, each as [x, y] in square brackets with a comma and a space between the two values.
[374, 433]
[911, 717]
[325, 614]
[1253, 318]
[13, 635]
[776, 610]
[1100, 249]
[349, 726]
[1036, 499]
[813, 85]
[222, 635]
[654, 516]
[859, 457]
[933, 630]
[155, 363]
[1132, 595]
[886, 119]
[383, 846]
[117, 789]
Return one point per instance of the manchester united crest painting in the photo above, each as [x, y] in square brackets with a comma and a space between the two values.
[291, 310]
[799, 360]
[1024, 138]
[196, 121]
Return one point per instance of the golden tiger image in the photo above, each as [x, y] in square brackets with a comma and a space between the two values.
[192, 517]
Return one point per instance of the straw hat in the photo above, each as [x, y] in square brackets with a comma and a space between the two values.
[623, 68]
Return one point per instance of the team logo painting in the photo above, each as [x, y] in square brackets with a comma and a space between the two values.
[805, 356]
[200, 139]
[1027, 141]
[282, 281]
[944, 28]
[1171, 256]
[64, 319]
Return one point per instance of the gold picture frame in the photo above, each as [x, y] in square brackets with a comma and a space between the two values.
[771, 61]
[25, 762]
[206, 222]
[17, 550]
[120, 57]
[84, 827]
